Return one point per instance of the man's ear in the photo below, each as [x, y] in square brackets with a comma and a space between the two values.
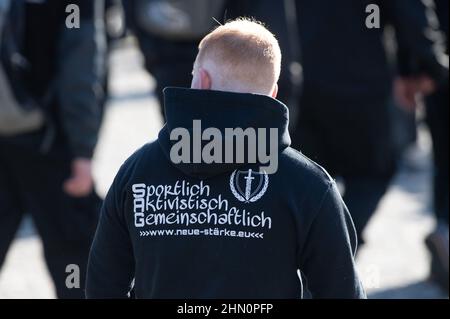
[201, 80]
[275, 92]
[205, 79]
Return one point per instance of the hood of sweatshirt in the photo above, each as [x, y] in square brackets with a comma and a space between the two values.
[220, 110]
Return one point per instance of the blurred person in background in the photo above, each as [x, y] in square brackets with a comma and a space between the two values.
[413, 85]
[50, 94]
[344, 118]
[168, 33]
[115, 31]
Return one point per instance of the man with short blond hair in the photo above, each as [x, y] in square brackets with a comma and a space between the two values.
[202, 229]
[241, 56]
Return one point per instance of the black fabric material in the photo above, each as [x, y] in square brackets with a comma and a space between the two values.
[340, 56]
[442, 8]
[362, 195]
[44, 23]
[306, 223]
[421, 43]
[345, 136]
[352, 141]
[43, 26]
[438, 122]
[31, 183]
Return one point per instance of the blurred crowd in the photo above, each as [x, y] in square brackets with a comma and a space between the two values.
[354, 75]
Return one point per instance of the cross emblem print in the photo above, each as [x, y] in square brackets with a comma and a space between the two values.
[248, 185]
[250, 194]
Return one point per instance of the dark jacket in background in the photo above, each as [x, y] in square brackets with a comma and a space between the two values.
[68, 63]
[421, 39]
[437, 115]
[345, 112]
[348, 79]
[342, 57]
[442, 8]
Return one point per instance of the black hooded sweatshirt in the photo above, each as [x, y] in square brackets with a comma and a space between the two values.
[203, 231]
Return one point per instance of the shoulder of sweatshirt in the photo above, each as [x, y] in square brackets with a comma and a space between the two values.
[146, 156]
[304, 186]
[303, 173]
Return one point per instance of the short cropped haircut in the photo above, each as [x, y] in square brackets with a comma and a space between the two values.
[246, 55]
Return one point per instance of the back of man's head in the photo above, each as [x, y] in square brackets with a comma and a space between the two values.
[240, 56]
